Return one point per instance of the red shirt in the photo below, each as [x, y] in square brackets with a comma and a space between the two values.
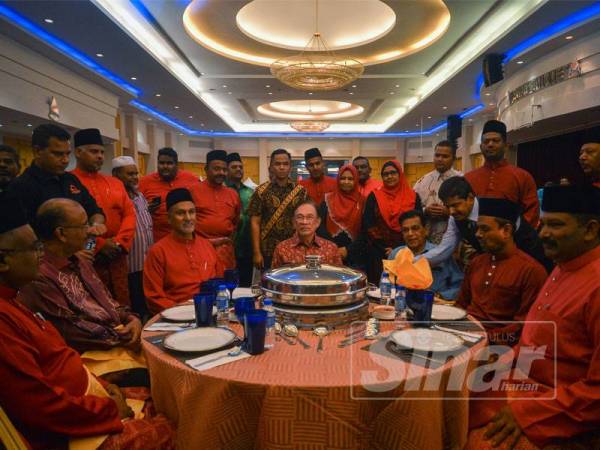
[44, 382]
[570, 298]
[153, 185]
[174, 269]
[503, 180]
[501, 290]
[293, 251]
[316, 191]
[369, 186]
[111, 196]
[217, 210]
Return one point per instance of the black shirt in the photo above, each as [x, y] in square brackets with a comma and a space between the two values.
[35, 186]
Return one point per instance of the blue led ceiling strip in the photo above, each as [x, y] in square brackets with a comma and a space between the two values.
[570, 21]
[37, 31]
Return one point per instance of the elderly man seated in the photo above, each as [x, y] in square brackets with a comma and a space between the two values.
[68, 293]
[447, 277]
[177, 264]
[49, 396]
[305, 240]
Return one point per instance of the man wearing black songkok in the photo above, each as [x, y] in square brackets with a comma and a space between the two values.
[217, 208]
[501, 284]
[242, 239]
[177, 264]
[499, 179]
[318, 183]
[564, 321]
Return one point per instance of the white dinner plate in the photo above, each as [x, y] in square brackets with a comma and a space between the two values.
[375, 293]
[426, 340]
[182, 313]
[199, 339]
[242, 292]
[447, 312]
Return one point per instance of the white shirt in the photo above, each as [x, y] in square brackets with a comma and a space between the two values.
[428, 185]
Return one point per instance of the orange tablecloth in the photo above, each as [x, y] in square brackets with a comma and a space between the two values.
[292, 398]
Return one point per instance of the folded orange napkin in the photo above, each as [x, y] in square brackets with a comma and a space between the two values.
[407, 272]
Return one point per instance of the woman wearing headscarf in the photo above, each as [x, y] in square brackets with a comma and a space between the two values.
[382, 213]
[341, 218]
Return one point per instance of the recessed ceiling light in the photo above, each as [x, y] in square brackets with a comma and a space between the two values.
[180, 134]
[520, 62]
[267, 85]
[487, 94]
[29, 125]
[444, 107]
[48, 20]
[397, 85]
[351, 93]
[310, 93]
[176, 107]
[429, 117]
[416, 125]
[201, 124]
[470, 120]
[270, 93]
[230, 92]
[100, 55]
[224, 85]
[569, 37]
[201, 73]
[190, 117]
[492, 104]
[212, 131]
[133, 78]
[157, 95]
[0, 124]
[406, 131]
[353, 85]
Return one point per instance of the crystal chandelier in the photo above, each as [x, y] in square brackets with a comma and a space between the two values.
[310, 126]
[316, 68]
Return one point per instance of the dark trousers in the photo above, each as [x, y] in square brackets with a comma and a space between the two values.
[244, 266]
[136, 294]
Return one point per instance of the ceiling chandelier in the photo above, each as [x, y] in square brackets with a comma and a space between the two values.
[310, 126]
[316, 68]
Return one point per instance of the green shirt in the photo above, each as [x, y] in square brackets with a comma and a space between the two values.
[242, 239]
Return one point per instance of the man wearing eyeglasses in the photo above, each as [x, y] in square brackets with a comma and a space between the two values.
[305, 240]
[68, 292]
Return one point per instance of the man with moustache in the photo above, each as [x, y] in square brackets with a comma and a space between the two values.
[563, 411]
[9, 166]
[125, 169]
[111, 249]
[500, 284]
[157, 185]
[243, 241]
[499, 179]
[177, 264]
[272, 207]
[217, 208]
[318, 184]
[46, 178]
[589, 156]
[428, 186]
[366, 184]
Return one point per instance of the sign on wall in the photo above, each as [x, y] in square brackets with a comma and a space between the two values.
[551, 78]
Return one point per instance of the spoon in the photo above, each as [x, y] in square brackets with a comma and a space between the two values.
[283, 336]
[292, 331]
[321, 332]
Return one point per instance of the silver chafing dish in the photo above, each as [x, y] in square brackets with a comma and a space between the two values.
[312, 294]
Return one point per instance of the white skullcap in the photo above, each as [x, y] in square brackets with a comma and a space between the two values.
[122, 161]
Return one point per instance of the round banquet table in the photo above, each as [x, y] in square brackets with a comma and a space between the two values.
[293, 398]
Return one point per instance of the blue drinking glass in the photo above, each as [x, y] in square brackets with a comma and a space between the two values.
[203, 306]
[420, 303]
[243, 306]
[232, 280]
[256, 326]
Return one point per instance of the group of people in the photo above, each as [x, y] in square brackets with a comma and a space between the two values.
[86, 257]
